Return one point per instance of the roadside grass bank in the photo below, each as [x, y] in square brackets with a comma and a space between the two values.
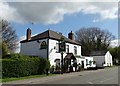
[111, 66]
[26, 77]
[37, 76]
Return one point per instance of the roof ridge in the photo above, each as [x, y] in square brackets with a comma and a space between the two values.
[50, 34]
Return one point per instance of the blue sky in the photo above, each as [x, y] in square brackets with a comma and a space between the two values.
[70, 22]
[61, 17]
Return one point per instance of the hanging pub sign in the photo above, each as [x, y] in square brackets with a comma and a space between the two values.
[62, 45]
[43, 45]
[90, 62]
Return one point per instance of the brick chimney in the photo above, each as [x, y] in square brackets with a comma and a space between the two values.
[28, 34]
[71, 35]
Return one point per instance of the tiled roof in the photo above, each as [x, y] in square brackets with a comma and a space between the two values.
[98, 53]
[50, 34]
[70, 56]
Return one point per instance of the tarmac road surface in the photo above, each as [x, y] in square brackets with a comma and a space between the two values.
[100, 76]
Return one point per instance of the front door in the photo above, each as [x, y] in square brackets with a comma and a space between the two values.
[67, 63]
[82, 64]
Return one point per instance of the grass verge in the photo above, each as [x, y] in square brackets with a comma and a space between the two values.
[111, 66]
[26, 77]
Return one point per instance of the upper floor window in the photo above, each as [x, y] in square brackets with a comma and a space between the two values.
[75, 50]
[67, 48]
[57, 47]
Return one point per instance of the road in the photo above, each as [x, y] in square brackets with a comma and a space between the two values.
[101, 76]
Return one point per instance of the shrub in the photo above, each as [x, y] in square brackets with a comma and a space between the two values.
[52, 68]
[20, 65]
[4, 49]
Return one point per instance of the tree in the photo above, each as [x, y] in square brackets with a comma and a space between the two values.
[93, 38]
[4, 50]
[0, 48]
[115, 54]
[9, 36]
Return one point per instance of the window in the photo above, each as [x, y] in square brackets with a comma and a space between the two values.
[75, 50]
[57, 47]
[67, 48]
[86, 61]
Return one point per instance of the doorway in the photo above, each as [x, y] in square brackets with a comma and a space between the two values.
[82, 65]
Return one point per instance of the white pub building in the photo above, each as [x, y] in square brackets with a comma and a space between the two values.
[46, 45]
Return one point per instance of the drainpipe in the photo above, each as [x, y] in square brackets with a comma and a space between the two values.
[61, 62]
[47, 55]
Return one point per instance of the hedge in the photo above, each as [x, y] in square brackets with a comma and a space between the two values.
[19, 65]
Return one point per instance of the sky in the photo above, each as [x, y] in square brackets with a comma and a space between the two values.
[60, 16]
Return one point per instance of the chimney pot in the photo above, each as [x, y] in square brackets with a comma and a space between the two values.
[71, 35]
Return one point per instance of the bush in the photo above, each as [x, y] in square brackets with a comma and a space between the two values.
[19, 65]
[52, 68]
[4, 49]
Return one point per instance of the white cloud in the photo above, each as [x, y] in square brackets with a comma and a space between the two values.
[115, 43]
[22, 38]
[62, 0]
[8, 13]
[53, 12]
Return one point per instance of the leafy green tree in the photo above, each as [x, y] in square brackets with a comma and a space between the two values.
[93, 39]
[0, 49]
[115, 54]
[4, 50]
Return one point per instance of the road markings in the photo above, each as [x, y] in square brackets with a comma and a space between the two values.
[106, 80]
[90, 82]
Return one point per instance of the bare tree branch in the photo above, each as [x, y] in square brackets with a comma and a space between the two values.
[9, 36]
[93, 38]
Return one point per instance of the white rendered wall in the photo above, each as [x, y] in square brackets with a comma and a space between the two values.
[71, 49]
[108, 59]
[53, 54]
[99, 60]
[33, 49]
[89, 59]
[79, 60]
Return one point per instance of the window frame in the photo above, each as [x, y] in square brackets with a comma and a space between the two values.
[67, 48]
[75, 50]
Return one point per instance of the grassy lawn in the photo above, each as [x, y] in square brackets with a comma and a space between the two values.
[26, 77]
